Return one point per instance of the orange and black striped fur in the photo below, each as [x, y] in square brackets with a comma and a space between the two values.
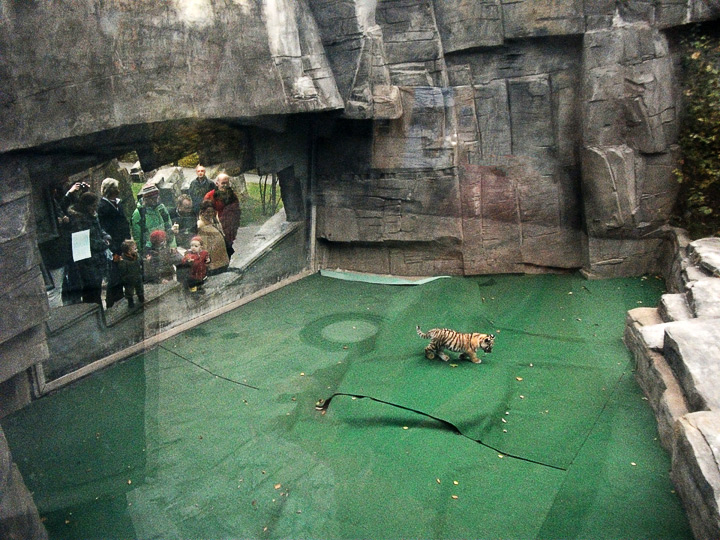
[466, 344]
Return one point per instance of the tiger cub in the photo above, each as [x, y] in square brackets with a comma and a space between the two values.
[466, 344]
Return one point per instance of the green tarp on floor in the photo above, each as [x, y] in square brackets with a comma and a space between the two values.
[214, 434]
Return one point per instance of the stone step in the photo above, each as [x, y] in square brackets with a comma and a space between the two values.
[692, 273]
[705, 253]
[674, 307]
[644, 329]
[691, 349]
[695, 473]
[703, 297]
[644, 337]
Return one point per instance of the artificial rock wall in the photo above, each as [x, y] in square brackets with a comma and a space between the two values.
[506, 136]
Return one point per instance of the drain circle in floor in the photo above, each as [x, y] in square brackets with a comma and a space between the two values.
[349, 331]
[342, 331]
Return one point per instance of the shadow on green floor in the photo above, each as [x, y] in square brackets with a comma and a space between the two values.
[215, 434]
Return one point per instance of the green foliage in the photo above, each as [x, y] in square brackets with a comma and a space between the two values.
[189, 162]
[136, 187]
[699, 172]
[130, 157]
[252, 208]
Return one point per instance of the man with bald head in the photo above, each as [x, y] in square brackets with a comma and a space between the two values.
[199, 187]
[227, 206]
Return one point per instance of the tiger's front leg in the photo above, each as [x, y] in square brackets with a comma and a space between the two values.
[474, 358]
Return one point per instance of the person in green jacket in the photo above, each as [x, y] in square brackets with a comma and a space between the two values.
[151, 215]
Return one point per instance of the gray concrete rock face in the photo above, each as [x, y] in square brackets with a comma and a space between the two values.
[676, 12]
[515, 109]
[674, 307]
[630, 129]
[97, 66]
[23, 289]
[540, 18]
[466, 26]
[507, 127]
[565, 110]
[630, 114]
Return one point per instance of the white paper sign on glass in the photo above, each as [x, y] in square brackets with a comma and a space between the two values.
[81, 245]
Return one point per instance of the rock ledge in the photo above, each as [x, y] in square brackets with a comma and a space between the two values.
[677, 353]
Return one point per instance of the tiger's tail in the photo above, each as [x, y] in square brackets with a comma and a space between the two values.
[421, 333]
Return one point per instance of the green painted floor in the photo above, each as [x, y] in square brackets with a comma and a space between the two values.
[215, 434]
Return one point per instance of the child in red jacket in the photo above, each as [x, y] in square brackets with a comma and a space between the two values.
[197, 259]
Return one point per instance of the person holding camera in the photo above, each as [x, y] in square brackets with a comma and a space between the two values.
[83, 216]
[67, 195]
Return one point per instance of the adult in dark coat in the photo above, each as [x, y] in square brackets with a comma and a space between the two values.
[62, 200]
[71, 283]
[186, 221]
[83, 216]
[199, 187]
[115, 223]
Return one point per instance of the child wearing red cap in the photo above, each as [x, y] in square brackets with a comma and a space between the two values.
[197, 259]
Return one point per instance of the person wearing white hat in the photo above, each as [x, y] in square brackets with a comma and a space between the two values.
[151, 215]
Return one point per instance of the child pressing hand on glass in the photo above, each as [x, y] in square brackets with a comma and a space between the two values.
[160, 260]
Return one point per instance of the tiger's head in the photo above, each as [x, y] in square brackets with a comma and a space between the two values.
[486, 342]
